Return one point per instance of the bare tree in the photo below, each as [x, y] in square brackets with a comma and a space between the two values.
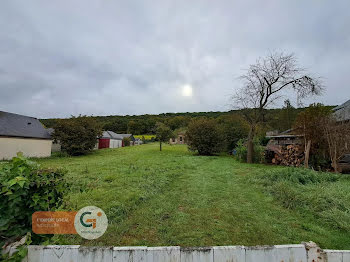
[338, 138]
[265, 82]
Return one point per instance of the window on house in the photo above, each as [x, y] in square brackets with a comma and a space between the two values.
[181, 138]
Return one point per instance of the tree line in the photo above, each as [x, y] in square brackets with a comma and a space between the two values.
[275, 119]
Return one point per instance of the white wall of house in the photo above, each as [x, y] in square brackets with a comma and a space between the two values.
[30, 147]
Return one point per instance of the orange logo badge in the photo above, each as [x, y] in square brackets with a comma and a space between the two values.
[58, 222]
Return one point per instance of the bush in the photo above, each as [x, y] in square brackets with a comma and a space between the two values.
[234, 128]
[77, 135]
[126, 141]
[241, 151]
[24, 189]
[205, 136]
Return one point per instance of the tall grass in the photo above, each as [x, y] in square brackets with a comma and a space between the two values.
[325, 196]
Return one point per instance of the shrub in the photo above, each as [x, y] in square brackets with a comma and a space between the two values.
[205, 136]
[126, 141]
[241, 151]
[24, 189]
[77, 135]
[234, 128]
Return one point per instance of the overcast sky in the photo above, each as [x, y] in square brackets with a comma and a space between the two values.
[63, 57]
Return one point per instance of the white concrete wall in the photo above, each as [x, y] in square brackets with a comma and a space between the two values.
[30, 147]
[290, 253]
[337, 255]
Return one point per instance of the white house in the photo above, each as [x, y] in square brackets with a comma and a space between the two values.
[24, 134]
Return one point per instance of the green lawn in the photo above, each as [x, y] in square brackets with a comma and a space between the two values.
[174, 197]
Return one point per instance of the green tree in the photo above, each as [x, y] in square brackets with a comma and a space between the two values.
[133, 127]
[77, 135]
[205, 136]
[234, 128]
[163, 133]
[118, 125]
[177, 122]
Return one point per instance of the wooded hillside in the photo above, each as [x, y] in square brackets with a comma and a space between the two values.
[275, 119]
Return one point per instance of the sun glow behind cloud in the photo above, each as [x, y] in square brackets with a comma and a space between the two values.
[186, 90]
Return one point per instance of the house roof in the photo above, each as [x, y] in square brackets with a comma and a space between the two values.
[285, 134]
[342, 112]
[125, 135]
[14, 125]
[50, 130]
[113, 135]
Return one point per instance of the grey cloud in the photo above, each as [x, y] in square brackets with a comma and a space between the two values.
[59, 58]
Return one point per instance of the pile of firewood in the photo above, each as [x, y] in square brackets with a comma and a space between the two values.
[291, 155]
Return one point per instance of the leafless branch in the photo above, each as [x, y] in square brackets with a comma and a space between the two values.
[265, 81]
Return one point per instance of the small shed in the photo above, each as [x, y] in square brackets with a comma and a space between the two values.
[109, 139]
[19, 133]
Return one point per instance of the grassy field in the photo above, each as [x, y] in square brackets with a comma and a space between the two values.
[174, 197]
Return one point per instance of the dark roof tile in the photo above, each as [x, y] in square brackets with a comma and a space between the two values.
[21, 126]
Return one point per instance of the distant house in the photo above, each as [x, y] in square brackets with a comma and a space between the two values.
[138, 141]
[24, 134]
[56, 146]
[110, 139]
[342, 112]
[179, 139]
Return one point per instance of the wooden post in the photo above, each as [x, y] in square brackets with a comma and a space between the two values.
[307, 153]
